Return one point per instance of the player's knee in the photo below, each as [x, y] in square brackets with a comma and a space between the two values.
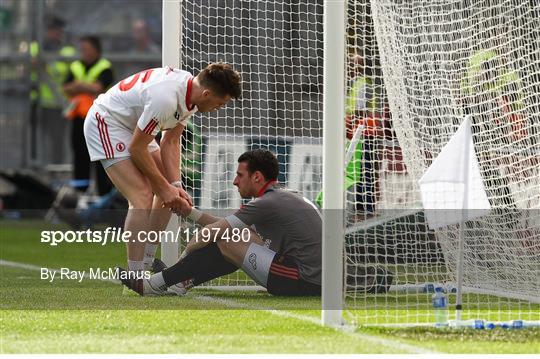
[142, 200]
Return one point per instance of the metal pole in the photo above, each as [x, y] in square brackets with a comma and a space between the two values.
[333, 162]
[172, 33]
[459, 270]
[171, 56]
[36, 118]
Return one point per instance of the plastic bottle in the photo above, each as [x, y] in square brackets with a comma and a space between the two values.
[447, 287]
[518, 324]
[471, 323]
[440, 307]
[514, 324]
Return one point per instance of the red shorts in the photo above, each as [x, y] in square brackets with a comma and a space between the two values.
[284, 279]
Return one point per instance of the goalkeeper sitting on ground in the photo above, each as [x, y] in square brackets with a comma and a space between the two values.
[280, 247]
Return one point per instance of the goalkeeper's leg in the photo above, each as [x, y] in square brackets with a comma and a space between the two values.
[202, 265]
[279, 274]
[197, 267]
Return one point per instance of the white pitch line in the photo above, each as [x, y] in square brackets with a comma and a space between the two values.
[281, 313]
[306, 318]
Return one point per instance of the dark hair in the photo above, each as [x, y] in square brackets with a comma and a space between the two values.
[92, 40]
[263, 161]
[221, 79]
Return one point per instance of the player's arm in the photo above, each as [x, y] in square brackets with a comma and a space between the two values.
[254, 212]
[145, 163]
[159, 105]
[170, 152]
[203, 219]
[170, 158]
[197, 216]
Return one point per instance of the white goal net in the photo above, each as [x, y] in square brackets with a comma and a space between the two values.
[277, 48]
[414, 69]
[424, 66]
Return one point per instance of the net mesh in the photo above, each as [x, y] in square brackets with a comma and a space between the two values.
[414, 70]
[277, 48]
[438, 61]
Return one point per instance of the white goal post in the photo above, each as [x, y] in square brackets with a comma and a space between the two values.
[333, 166]
[171, 47]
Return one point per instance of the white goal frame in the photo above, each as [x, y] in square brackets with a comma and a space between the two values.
[171, 56]
[333, 162]
[315, 72]
[333, 145]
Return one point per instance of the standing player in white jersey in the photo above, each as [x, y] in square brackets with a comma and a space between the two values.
[120, 129]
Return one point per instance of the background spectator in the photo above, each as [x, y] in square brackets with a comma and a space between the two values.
[47, 95]
[142, 41]
[88, 77]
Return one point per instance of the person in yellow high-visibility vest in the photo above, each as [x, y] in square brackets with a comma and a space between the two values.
[47, 95]
[87, 78]
[361, 108]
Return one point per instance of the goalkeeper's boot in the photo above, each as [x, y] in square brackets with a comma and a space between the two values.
[140, 286]
[177, 289]
[180, 288]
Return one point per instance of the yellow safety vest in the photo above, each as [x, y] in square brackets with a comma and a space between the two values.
[359, 84]
[50, 92]
[80, 74]
[81, 103]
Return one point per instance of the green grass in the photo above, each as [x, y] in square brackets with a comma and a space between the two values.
[94, 317]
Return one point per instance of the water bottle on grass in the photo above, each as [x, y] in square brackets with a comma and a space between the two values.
[440, 307]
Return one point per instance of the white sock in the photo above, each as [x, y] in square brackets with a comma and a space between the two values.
[135, 266]
[149, 255]
[157, 281]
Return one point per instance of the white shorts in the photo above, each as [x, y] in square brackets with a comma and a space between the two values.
[107, 143]
[257, 262]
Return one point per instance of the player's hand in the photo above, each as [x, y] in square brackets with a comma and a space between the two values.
[185, 209]
[171, 198]
[185, 196]
[183, 193]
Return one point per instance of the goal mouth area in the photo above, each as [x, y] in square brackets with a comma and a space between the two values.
[393, 253]
[401, 242]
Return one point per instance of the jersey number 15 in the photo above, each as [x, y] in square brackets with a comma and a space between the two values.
[125, 86]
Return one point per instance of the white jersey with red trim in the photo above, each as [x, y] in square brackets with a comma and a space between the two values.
[154, 99]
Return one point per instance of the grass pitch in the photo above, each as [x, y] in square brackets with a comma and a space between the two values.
[93, 316]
